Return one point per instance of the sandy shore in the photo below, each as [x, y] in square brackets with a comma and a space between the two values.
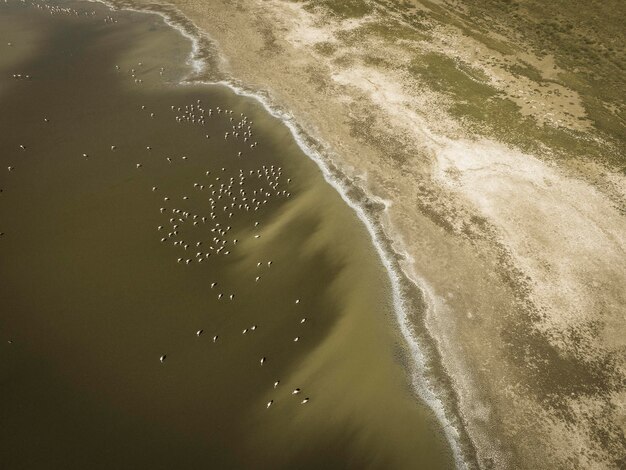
[503, 202]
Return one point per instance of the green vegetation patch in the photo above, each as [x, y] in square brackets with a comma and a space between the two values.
[392, 31]
[525, 70]
[486, 110]
[448, 76]
[343, 8]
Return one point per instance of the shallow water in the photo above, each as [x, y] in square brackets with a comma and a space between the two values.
[93, 293]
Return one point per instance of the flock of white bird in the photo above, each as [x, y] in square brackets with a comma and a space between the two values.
[224, 197]
[201, 236]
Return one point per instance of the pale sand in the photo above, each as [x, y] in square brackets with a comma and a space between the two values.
[522, 260]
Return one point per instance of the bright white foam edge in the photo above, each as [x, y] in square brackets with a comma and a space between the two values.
[421, 383]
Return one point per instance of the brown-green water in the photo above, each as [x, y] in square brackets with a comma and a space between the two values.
[93, 293]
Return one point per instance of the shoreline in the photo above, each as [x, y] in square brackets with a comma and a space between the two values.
[386, 256]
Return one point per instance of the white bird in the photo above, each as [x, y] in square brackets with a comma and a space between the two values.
[262, 360]
[269, 403]
[199, 332]
[162, 358]
[296, 391]
[276, 383]
[304, 401]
